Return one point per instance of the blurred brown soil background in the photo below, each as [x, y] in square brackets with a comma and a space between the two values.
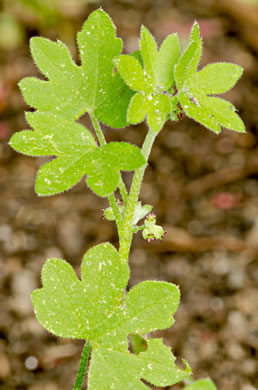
[203, 187]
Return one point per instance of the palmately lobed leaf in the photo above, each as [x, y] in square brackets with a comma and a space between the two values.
[124, 371]
[93, 308]
[196, 88]
[77, 155]
[105, 163]
[72, 90]
[211, 112]
[63, 92]
[53, 135]
[72, 308]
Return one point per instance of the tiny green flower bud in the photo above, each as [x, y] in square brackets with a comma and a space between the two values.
[108, 214]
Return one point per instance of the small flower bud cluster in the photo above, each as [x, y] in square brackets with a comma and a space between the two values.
[152, 231]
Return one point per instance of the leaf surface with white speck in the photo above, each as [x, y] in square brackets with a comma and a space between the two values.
[95, 309]
[151, 79]
[70, 89]
[77, 155]
[196, 88]
[106, 93]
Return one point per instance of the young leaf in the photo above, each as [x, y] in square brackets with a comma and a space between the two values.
[202, 384]
[94, 309]
[155, 106]
[138, 55]
[137, 109]
[156, 76]
[77, 155]
[149, 53]
[187, 65]
[131, 71]
[166, 60]
[195, 32]
[194, 87]
[158, 107]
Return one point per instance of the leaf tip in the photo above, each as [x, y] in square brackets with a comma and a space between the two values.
[195, 31]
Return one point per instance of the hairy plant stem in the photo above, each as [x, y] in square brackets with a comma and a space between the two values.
[97, 129]
[112, 199]
[82, 367]
[126, 235]
[123, 190]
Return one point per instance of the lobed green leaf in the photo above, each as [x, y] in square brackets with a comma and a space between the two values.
[194, 87]
[77, 155]
[93, 308]
[72, 90]
[72, 308]
[63, 93]
[211, 112]
[123, 371]
[104, 165]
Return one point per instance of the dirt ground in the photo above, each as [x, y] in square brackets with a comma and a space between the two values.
[203, 186]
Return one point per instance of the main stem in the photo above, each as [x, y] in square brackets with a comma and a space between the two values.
[124, 224]
[127, 234]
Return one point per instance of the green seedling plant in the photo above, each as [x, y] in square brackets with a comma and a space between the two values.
[117, 90]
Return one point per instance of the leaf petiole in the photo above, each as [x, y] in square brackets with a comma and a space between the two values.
[136, 229]
[112, 199]
[83, 366]
[97, 129]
